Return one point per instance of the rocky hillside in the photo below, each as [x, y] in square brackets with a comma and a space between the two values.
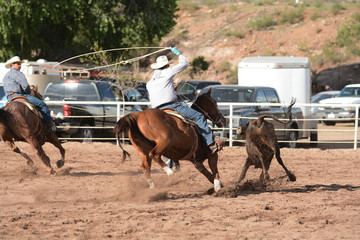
[225, 34]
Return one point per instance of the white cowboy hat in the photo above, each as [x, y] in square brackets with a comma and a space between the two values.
[12, 60]
[160, 62]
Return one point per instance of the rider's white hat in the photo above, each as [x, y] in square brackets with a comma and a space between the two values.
[12, 60]
[160, 62]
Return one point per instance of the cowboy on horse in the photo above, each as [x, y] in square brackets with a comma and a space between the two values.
[15, 85]
[161, 88]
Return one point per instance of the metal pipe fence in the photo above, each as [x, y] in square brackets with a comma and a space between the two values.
[231, 128]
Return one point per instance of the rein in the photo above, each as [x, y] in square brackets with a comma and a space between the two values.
[214, 122]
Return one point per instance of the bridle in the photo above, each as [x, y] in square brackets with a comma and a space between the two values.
[218, 114]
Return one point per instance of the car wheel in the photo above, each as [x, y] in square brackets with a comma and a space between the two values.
[292, 137]
[87, 134]
[328, 123]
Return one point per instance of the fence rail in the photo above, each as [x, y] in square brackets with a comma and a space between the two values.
[231, 128]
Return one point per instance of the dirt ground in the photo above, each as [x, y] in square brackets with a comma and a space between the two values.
[95, 196]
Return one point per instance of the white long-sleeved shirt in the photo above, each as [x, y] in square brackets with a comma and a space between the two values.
[161, 85]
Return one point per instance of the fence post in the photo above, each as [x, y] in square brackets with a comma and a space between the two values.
[356, 126]
[231, 126]
[117, 119]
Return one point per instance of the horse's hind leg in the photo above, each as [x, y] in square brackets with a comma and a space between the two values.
[40, 153]
[53, 139]
[146, 168]
[291, 176]
[14, 148]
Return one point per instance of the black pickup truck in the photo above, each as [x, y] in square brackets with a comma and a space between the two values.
[78, 120]
[242, 115]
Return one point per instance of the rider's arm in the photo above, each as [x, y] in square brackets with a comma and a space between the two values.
[181, 66]
[21, 79]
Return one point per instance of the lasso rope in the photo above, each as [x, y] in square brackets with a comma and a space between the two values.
[117, 49]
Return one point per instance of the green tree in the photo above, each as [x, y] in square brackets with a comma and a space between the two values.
[43, 28]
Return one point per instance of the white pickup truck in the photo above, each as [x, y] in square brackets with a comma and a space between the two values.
[330, 115]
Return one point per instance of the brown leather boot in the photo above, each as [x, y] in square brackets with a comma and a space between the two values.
[218, 145]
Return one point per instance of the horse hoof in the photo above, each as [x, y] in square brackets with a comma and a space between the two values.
[30, 163]
[168, 170]
[217, 185]
[52, 172]
[60, 163]
[151, 183]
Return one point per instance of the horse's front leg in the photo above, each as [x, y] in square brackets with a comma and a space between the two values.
[53, 139]
[213, 177]
[40, 153]
[213, 164]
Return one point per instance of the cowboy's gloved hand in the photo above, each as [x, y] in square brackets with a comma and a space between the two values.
[175, 50]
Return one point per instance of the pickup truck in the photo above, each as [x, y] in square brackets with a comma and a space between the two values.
[330, 115]
[79, 120]
[242, 115]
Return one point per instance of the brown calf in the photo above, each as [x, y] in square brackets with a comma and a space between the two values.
[262, 144]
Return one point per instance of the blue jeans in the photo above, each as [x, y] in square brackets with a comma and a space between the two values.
[37, 103]
[194, 115]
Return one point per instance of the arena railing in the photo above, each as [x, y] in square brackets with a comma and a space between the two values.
[231, 117]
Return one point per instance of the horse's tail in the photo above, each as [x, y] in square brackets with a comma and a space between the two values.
[288, 113]
[125, 123]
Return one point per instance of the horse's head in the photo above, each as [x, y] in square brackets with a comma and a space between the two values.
[206, 105]
[35, 93]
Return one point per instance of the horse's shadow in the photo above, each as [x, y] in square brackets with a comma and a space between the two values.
[68, 172]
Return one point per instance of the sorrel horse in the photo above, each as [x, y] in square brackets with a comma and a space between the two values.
[18, 122]
[155, 133]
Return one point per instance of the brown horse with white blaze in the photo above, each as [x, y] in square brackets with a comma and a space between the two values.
[155, 133]
[21, 121]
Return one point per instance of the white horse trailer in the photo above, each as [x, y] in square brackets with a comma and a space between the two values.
[290, 76]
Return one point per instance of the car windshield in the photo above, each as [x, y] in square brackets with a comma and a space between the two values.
[350, 92]
[232, 95]
[318, 97]
[185, 87]
[71, 92]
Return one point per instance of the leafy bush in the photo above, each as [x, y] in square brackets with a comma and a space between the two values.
[292, 16]
[330, 54]
[348, 35]
[198, 65]
[234, 33]
[336, 8]
[190, 6]
[231, 76]
[260, 23]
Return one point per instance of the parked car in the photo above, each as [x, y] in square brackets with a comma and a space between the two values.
[330, 115]
[189, 90]
[242, 115]
[321, 96]
[69, 117]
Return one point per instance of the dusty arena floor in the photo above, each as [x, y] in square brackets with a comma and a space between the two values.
[94, 196]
